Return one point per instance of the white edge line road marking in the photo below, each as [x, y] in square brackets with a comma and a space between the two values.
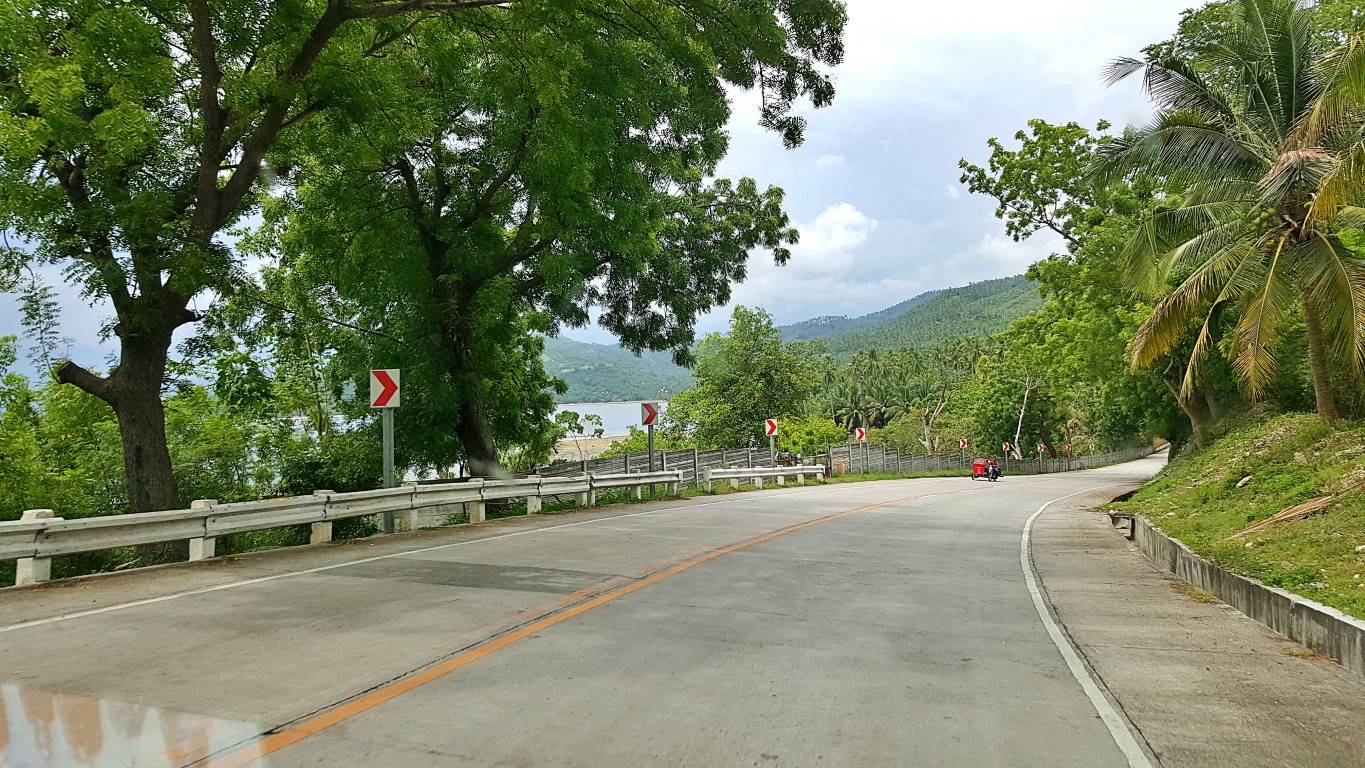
[405, 553]
[1118, 729]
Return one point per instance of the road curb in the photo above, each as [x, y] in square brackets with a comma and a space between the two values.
[1323, 629]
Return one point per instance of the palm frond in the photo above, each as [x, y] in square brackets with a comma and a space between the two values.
[1150, 253]
[1349, 217]
[1121, 69]
[1171, 317]
[1184, 147]
[1295, 169]
[1223, 190]
[1340, 80]
[1333, 280]
[1340, 187]
[1254, 338]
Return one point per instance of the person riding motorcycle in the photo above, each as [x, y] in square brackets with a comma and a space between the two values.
[993, 469]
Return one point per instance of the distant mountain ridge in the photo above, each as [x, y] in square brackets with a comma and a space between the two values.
[976, 309]
[834, 325]
[604, 373]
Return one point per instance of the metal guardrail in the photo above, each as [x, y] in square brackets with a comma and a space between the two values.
[40, 535]
[757, 474]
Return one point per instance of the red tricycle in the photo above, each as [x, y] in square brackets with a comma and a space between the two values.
[986, 468]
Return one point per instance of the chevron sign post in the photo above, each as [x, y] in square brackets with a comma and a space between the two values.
[649, 414]
[385, 394]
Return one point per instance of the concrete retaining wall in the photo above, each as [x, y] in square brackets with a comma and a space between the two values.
[1324, 630]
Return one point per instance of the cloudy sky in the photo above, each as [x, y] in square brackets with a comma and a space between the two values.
[874, 190]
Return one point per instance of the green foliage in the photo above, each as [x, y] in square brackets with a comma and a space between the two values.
[808, 435]
[1258, 124]
[743, 378]
[637, 441]
[1041, 184]
[1289, 459]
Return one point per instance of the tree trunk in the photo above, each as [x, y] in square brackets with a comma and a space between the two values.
[1317, 352]
[1196, 427]
[477, 437]
[1019, 428]
[133, 391]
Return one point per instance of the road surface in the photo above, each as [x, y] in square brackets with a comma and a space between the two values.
[875, 624]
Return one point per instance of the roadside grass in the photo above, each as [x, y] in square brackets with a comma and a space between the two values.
[1288, 460]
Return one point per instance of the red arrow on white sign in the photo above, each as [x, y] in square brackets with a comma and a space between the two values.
[860, 434]
[1041, 448]
[384, 389]
[649, 413]
[770, 427]
[962, 442]
[1005, 446]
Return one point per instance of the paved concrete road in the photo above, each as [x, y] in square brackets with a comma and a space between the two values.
[855, 625]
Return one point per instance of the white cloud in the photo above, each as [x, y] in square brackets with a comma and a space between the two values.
[829, 161]
[951, 190]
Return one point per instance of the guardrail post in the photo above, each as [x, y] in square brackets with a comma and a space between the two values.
[477, 511]
[588, 498]
[672, 488]
[637, 492]
[33, 570]
[322, 531]
[801, 476]
[781, 480]
[758, 483]
[202, 548]
[705, 478]
[413, 515]
[533, 505]
[696, 467]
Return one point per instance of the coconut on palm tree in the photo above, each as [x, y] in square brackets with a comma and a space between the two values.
[1263, 131]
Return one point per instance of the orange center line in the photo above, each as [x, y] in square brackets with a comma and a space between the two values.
[293, 734]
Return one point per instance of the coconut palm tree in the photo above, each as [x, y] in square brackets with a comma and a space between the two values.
[1265, 134]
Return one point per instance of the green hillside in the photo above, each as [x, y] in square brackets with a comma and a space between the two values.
[600, 373]
[838, 325]
[978, 309]
[604, 373]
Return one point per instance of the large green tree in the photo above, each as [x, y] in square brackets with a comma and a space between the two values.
[133, 136]
[743, 378]
[513, 194]
[1261, 125]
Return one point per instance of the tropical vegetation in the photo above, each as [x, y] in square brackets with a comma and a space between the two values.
[238, 174]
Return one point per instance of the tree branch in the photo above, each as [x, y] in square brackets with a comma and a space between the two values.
[323, 318]
[212, 152]
[82, 379]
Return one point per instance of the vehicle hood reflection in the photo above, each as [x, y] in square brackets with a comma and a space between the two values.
[47, 730]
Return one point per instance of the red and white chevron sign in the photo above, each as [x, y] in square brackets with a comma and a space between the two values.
[384, 389]
[962, 442]
[860, 434]
[649, 414]
[1005, 446]
[769, 427]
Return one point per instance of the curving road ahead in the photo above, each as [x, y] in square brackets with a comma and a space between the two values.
[878, 624]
